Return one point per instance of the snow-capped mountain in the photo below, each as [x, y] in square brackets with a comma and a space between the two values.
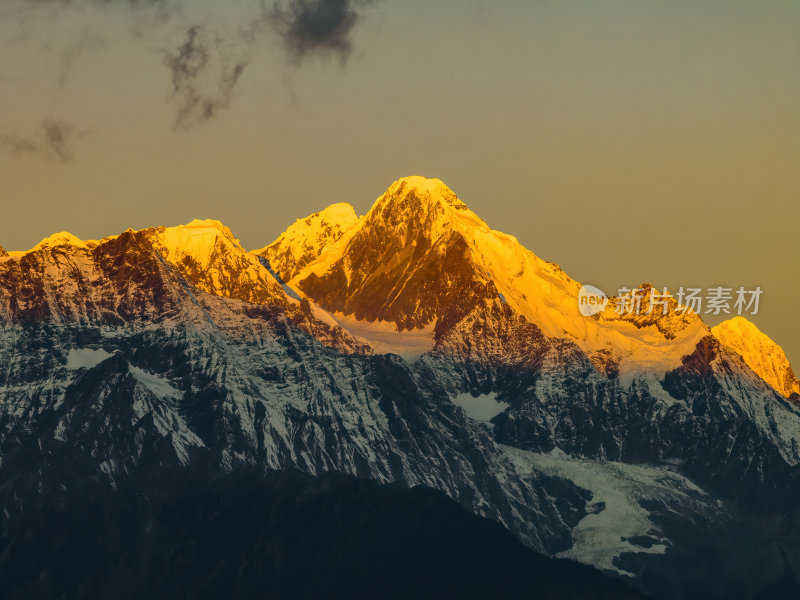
[416, 346]
[761, 354]
[132, 277]
[421, 259]
[305, 239]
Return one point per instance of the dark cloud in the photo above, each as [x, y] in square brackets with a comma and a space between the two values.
[204, 70]
[316, 27]
[52, 140]
[206, 67]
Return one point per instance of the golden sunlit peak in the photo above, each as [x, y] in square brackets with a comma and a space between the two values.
[766, 358]
[741, 325]
[340, 210]
[206, 224]
[62, 238]
[197, 238]
[421, 182]
[426, 193]
[418, 183]
[199, 228]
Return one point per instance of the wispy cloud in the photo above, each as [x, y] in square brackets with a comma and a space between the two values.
[52, 140]
[204, 71]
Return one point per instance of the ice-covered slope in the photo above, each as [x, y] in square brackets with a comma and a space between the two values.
[421, 258]
[305, 239]
[760, 353]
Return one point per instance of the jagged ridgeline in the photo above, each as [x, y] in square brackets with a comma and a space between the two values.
[412, 346]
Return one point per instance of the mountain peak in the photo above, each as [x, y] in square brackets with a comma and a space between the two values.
[421, 260]
[305, 239]
[199, 226]
[766, 358]
[404, 262]
[341, 212]
[421, 193]
[418, 210]
[62, 238]
[421, 184]
[197, 238]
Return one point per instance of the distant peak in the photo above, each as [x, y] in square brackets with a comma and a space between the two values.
[306, 238]
[740, 329]
[424, 188]
[199, 228]
[328, 223]
[206, 224]
[765, 357]
[198, 239]
[341, 211]
[741, 324]
[418, 203]
[62, 238]
[420, 182]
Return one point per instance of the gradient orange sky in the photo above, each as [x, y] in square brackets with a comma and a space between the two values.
[627, 141]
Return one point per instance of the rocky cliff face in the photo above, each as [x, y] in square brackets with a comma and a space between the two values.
[636, 446]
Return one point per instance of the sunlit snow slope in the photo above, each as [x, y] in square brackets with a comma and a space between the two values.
[762, 355]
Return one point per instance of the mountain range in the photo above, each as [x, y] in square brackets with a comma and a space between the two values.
[411, 346]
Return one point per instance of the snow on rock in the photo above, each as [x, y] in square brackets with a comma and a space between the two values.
[158, 385]
[86, 358]
[268, 266]
[617, 522]
[384, 337]
[480, 408]
[759, 400]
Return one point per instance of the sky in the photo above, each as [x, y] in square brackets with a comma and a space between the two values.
[628, 141]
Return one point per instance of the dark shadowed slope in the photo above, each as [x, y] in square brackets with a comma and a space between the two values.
[283, 535]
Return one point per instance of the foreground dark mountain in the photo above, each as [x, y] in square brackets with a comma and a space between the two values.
[645, 446]
[280, 535]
